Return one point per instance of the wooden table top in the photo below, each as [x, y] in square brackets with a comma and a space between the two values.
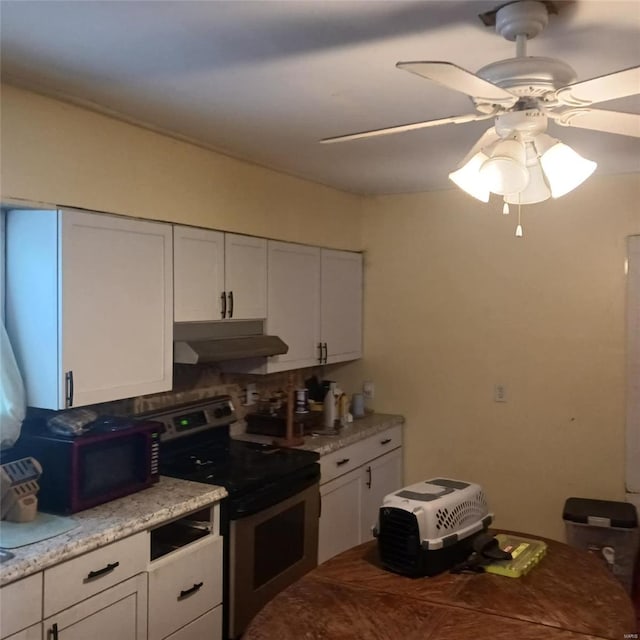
[570, 595]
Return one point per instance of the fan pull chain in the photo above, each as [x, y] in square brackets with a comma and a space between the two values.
[505, 208]
[519, 232]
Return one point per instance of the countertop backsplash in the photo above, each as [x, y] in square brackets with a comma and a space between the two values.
[194, 383]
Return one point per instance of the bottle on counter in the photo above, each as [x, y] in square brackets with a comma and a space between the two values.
[330, 407]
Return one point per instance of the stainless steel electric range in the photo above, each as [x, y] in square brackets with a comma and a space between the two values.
[270, 518]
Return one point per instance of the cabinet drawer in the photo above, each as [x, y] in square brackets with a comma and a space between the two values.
[77, 579]
[341, 461]
[382, 443]
[21, 604]
[184, 585]
[348, 458]
[206, 627]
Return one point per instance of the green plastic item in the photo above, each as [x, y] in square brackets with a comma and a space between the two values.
[525, 552]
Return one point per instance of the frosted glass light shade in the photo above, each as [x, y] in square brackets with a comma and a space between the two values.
[536, 191]
[469, 180]
[505, 171]
[565, 169]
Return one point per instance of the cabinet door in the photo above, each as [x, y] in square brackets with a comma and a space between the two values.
[198, 274]
[293, 300]
[206, 627]
[119, 612]
[21, 604]
[183, 585]
[341, 305]
[341, 515]
[380, 477]
[245, 274]
[32, 633]
[116, 289]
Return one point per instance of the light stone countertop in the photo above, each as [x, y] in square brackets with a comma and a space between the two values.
[359, 429]
[168, 499]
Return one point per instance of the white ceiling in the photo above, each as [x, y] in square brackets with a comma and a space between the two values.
[265, 80]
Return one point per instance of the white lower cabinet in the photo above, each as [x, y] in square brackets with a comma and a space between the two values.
[31, 633]
[183, 586]
[118, 612]
[206, 627]
[381, 476]
[353, 483]
[21, 606]
[165, 583]
[339, 527]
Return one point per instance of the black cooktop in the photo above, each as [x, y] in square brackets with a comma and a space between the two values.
[238, 466]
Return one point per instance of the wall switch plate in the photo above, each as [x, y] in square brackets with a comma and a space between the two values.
[499, 393]
[368, 389]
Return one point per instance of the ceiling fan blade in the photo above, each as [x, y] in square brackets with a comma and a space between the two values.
[619, 84]
[471, 117]
[453, 77]
[625, 124]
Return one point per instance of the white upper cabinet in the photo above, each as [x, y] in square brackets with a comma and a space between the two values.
[198, 274]
[294, 303]
[341, 305]
[218, 276]
[89, 306]
[245, 275]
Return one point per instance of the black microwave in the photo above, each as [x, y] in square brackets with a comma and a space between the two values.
[85, 471]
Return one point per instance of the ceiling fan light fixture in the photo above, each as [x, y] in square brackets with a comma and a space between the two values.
[505, 171]
[469, 180]
[565, 169]
[536, 191]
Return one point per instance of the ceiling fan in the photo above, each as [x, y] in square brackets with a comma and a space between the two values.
[515, 158]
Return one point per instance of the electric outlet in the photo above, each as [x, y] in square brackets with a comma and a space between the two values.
[368, 389]
[499, 393]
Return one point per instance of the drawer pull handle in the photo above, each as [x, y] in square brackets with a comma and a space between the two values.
[369, 480]
[53, 632]
[101, 572]
[187, 592]
[341, 462]
[385, 441]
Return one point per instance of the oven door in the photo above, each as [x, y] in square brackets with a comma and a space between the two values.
[270, 550]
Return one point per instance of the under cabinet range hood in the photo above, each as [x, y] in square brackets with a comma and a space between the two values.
[204, 342]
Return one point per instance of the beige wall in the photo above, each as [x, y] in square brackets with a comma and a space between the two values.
[454, 304]
[56, 153]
